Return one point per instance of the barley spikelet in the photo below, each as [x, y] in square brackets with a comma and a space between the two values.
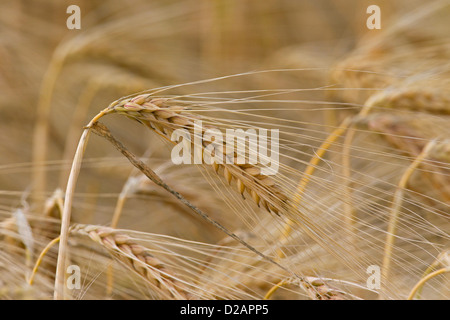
[164, 117]
[137, 258]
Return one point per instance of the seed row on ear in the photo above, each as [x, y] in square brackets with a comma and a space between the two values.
[160, 116]
[136, 257]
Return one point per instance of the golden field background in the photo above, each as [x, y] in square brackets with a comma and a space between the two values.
[310, 65]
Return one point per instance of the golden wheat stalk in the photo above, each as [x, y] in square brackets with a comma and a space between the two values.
[396, 205]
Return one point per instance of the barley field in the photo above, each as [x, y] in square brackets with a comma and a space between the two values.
[347, 197]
